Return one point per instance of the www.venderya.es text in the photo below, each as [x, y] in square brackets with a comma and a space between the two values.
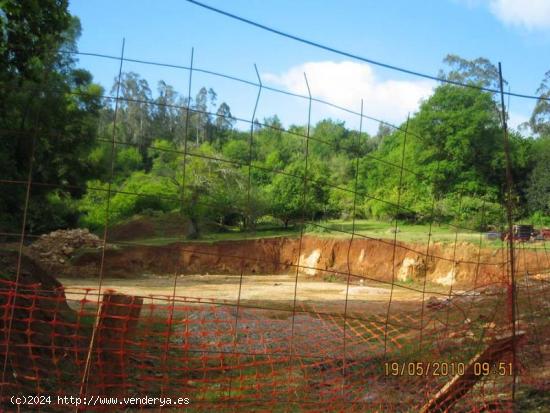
[42, 400]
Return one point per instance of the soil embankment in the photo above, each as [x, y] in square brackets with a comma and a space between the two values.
[40, 327]
[318, 257]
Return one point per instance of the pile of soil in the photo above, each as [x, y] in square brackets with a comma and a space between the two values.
[142, 227]
[134, 229]
[43, 329]
[32, 274]
[56, 249]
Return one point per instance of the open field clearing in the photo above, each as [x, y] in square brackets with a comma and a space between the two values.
[319, 352]
[362, 228]
[310, 324]
[264, 289]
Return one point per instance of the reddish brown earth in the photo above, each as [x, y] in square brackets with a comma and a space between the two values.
[142, 227]
[320, 257]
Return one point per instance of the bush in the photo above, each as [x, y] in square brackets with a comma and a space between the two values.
[155, 194]
[93, 204]
[316, 229]
[540, 219]
[57, 210]
[470, 212]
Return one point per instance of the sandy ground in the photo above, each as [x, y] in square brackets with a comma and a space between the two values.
[255, 288]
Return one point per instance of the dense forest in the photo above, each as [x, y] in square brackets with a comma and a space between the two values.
[168, 154]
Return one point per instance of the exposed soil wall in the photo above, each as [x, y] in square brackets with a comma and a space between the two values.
[320, 257]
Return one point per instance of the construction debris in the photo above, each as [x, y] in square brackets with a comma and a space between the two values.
[435, 303]
[59, 246]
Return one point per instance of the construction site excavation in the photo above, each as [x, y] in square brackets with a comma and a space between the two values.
[339, 320]
[274, 207]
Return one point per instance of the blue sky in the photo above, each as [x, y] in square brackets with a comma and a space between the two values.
[413, 34]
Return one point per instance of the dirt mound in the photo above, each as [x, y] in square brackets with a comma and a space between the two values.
[62, 242]
[42, 326]
[141, 227]
[135, 229]
[55, 250]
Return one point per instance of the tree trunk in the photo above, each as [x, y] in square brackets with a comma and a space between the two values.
[194, 228]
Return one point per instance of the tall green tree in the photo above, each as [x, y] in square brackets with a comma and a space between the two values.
[48, 113]
[165, 112]
[454, 144]
[538, 185]
[540, 118]
[134, 110]
[224, 118]
[202, 119]
[290, 200]
[480, 71]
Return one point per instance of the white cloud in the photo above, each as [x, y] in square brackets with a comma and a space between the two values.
[346, 83]
[531, 14]
[515, 120]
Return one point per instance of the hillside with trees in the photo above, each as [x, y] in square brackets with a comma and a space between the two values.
[171, 155]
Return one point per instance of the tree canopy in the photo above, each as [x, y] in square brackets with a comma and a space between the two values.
[172, 154]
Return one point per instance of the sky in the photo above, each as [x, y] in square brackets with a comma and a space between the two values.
[416, 35]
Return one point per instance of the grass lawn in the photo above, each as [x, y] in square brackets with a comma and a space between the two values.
[407, 232]
[418, 233]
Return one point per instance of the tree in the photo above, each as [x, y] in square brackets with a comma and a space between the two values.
[538, 185]
[128, 160]
[286, 193]
[460, 128]
[384, 130]
[30, 35]
[48, 108]
[479, 72]
[329, 137]
[165, 112]
[540, 118]
[224, 119]
[237, 150]
[134, 110]
[201, 115]
[454, 144]
[209, 191]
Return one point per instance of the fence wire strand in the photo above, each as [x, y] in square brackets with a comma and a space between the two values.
[304, 354]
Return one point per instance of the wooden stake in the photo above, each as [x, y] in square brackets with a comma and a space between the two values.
[459, 385]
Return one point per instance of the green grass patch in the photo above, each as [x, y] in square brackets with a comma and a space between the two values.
[364, 228]
[333, 229]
